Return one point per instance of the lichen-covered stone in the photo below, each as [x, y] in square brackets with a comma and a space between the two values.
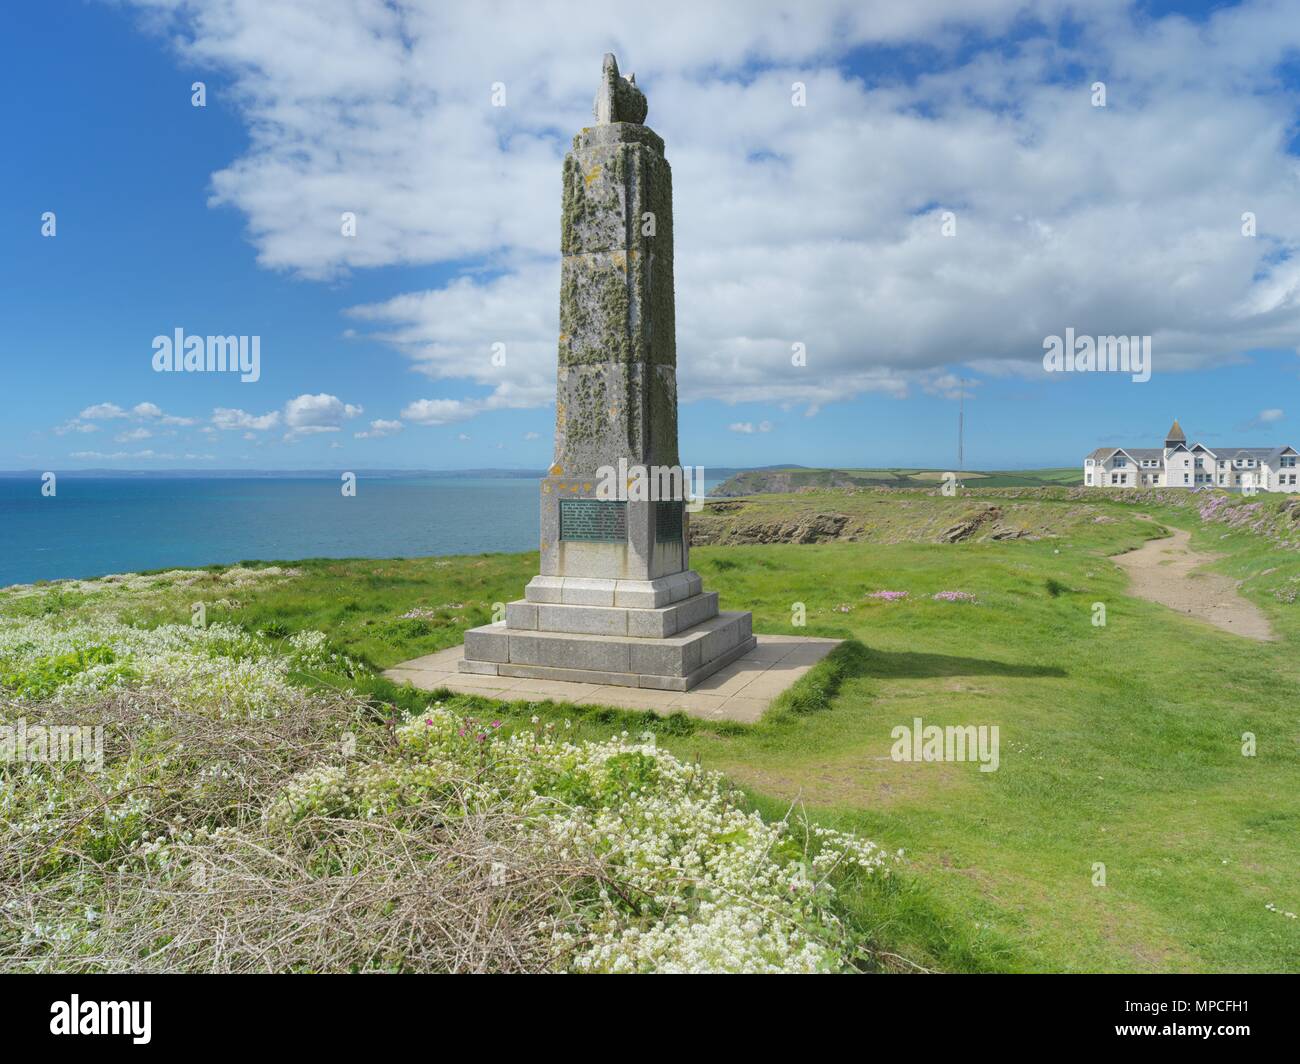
[616, 393]
[618, 99]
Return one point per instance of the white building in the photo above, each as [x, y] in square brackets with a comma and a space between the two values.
[1175, 465]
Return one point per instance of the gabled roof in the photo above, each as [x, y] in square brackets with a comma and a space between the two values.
[1136, 453]
[1232, 453]
[1224, 454]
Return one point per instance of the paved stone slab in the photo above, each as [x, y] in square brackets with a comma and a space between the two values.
[740, 691]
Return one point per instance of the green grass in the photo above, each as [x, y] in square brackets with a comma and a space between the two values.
[757, 481]
[1119, 745]
[360, 603]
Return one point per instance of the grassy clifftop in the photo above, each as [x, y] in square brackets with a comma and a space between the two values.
[777, 480]
[1123, 745]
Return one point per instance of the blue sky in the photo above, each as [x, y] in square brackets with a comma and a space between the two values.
[818, 225]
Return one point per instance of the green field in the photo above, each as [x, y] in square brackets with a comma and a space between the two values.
[779, 480]
[1120, 745]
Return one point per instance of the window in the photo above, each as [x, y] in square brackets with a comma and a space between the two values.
[1087, 461]
[1288, 461]
[1186, 478]
[1120, 463]
[1087, 478]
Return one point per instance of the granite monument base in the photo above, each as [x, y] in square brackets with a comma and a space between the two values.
[665, 634]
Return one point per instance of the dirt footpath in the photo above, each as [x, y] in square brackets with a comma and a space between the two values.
[1163, 570]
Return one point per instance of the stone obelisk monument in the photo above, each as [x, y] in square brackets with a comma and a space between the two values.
[615, 602]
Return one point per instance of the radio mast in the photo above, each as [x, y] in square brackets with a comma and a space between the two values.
[961, 428]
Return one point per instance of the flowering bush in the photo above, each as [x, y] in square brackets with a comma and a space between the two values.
[65, 642]
[953, 596]
[222, 664]
[888, 596]
[1271, 515]
[342, 841]
[689, 881]
[236, 576]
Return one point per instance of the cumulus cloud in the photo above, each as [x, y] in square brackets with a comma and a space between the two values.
[307, 415]
[152, 412]
[229, 418]
[141, 412]
[75, 426]
[820, 225]
[102, 412]
[378, 429]
[132, 435]
[439, 411]
[748, 428]
[1264, 418]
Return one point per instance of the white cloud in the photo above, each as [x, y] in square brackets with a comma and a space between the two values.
[532, 435]
[1268, 416]
[147, 412]
[950, 386]
[817, 225]
[132, 435]
[307, 415]
[228, 418]
[748, 428]
[102, 412]
[438, 411]
[152, 412]
[75, 426]
[380, 428]
[116, 456]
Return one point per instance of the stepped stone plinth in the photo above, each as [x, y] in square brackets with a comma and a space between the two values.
[615, 602]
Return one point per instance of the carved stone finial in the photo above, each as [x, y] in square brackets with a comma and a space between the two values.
[618, 100]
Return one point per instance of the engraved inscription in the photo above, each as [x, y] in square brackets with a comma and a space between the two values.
[668, 521]
[593, 520]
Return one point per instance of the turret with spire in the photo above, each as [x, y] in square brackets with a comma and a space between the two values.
[1175, 437]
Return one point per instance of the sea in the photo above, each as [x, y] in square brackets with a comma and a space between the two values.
[92, 526]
